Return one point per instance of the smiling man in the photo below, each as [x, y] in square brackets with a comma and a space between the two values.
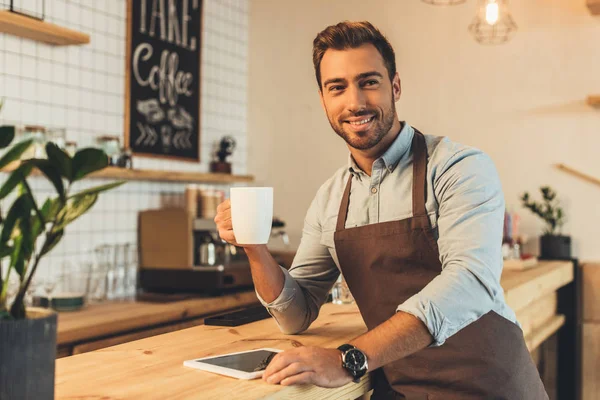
[414, 224]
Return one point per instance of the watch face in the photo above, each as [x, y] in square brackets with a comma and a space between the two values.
[355, 359]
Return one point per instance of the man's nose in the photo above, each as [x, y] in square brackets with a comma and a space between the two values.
[356, 99]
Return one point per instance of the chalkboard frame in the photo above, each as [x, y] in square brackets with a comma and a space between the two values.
[128, 90]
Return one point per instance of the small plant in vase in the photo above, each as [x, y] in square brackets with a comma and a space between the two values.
[28, 232]
[225, 149]
[553, 245]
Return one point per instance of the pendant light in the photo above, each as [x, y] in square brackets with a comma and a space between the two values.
[443, 2]
[493, 23]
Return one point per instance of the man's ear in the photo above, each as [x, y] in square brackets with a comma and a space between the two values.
[396, 87]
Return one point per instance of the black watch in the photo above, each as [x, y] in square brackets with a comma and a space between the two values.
[354, 361]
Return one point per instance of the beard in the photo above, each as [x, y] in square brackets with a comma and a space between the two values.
[381, 125]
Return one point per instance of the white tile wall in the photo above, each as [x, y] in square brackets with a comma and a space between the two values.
[81, 88]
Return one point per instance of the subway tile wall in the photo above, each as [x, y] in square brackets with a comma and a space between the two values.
[81, 88]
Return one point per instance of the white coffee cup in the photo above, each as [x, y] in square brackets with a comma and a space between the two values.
[252, 214]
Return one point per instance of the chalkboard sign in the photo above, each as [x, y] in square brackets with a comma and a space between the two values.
[162, 99]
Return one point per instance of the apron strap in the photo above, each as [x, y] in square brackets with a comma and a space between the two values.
[419, 186]
[343, 213]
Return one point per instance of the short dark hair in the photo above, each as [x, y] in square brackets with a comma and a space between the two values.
[350, 35]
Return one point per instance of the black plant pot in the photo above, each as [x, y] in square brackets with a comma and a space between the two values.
[27, 356]
[555, 247]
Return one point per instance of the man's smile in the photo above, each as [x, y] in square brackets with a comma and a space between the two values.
[360, 124]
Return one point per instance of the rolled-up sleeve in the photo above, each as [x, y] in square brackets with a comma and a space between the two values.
[308, 281]
[470, 220]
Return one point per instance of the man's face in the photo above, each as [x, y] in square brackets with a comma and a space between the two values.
[357, 95]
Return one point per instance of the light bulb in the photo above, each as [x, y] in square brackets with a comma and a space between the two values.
[491, 12]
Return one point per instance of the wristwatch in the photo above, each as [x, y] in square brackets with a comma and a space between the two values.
[354, 361]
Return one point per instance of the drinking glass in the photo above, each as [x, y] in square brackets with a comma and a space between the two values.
[340, 293]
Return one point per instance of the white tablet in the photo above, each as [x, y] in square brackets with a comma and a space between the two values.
[242, 365]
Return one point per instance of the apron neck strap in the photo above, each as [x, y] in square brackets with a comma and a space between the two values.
[343, 213]
[419, 188]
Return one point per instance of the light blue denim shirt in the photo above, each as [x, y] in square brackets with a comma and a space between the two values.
[465, 205]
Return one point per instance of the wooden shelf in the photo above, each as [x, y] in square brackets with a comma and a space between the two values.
[157, 175]
[578, 174]
[31, 28]
[594, 101]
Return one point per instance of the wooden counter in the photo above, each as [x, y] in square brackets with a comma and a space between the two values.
[152, 368]
[97, 325]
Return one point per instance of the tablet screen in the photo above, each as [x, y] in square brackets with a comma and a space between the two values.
[247, 362]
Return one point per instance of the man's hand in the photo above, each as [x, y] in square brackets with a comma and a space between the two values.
[225, 226]
[223, 221]
[313, 365]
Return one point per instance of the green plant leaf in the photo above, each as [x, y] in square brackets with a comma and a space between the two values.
[7, 134]
[50, 208]
[19, 209]
[13, 180]
[52, 240]
[61, 160]
[36, 226]
[51, 172]
[28, 241]
[20, 263]
[87, 161]
[74, 208]
[14, 153]
[98, 189]
[5, 250]
[17, 252]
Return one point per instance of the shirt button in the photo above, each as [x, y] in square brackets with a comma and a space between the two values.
[373, 190]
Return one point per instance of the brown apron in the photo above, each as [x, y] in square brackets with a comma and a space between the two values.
[387, 263]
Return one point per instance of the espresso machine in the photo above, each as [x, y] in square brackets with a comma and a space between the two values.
[180, 253]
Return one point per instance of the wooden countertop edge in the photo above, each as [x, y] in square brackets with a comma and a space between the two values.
[539, 335]
[136, 315]
[527, 286]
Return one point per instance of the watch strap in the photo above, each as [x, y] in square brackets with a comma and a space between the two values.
[345, 347]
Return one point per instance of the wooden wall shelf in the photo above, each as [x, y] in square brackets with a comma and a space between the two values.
[157, 175]
[578, 174]
[31, 28]
[594, 101]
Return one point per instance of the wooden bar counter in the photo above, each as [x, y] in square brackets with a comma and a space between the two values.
[152, 368]
[110, 323]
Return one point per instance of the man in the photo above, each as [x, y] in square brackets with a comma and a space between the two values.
[414, 224]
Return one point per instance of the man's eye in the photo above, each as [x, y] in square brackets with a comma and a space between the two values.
[371, 82]
[335, 88]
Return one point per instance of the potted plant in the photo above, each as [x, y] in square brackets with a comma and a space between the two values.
[553, 245]
[27, 233]
[220, 163]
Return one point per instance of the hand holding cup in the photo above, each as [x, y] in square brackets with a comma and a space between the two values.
[245, 220]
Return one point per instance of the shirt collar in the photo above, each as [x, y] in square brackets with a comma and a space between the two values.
[392, 155]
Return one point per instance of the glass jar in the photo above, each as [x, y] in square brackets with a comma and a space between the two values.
[340, 292]
[38, 135]
[111, 146]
